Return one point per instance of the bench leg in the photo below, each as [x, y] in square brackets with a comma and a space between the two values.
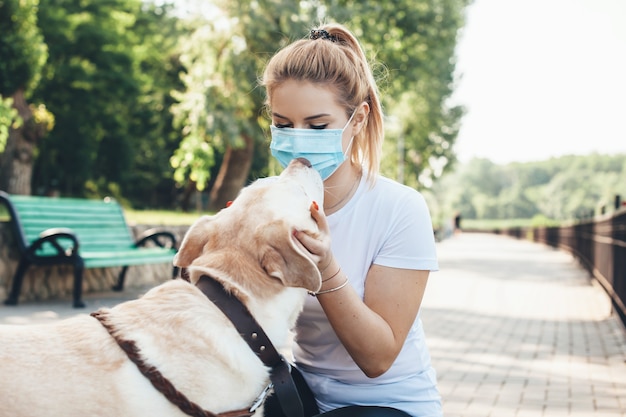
[78, 284]
[16, 285]
[120, 280]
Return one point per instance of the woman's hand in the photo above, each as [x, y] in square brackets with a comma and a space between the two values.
[318, 247]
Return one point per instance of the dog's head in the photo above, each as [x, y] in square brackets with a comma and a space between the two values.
[251, 241]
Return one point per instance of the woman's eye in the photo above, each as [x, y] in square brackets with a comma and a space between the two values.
[319, 127]
[282, 125]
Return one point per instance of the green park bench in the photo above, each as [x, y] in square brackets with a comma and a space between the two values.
[81, 232]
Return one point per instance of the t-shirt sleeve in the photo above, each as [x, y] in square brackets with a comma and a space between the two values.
[409, 241]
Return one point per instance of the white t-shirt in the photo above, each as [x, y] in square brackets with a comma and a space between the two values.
[387, 225]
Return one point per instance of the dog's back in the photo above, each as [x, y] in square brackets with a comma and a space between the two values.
[75, 368]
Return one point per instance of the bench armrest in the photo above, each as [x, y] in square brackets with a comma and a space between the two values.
[161, 238]
[52, 236]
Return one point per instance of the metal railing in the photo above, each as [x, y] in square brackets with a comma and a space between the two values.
[599, 245]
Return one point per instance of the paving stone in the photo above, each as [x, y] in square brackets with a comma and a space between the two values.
[525, 328]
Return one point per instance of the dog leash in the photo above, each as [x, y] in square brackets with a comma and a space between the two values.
[280, 375]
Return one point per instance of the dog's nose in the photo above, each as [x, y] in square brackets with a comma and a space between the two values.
[304, 162]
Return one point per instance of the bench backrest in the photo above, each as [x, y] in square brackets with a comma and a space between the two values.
[100, 225]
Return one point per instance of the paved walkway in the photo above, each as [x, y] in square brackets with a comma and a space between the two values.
[515, 329]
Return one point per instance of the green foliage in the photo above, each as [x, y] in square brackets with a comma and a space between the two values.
[221, 102]
[193, 160]
[156, 56]
[9, 118]
[414, 41]
[540, 220]
[111, 67]
[160, 217]
[22, 50]
[558, 189]
[22, 55]
[494, 224]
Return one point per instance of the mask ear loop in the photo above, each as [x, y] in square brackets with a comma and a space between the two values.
[349, 120]
[353, 113]
[345, 154]
[348, 148]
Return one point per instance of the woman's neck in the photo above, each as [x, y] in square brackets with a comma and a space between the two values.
[341, 187]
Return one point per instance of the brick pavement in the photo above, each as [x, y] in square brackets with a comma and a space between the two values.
[518, 329]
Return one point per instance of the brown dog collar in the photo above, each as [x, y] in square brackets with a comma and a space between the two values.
[259, 342]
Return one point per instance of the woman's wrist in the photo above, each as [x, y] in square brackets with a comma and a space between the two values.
[331, 277]
[330, 270]
[327, 265]
[334, 283]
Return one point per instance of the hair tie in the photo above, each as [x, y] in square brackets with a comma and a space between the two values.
[321, 33]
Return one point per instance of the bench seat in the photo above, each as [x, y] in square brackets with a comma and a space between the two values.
[81, 232]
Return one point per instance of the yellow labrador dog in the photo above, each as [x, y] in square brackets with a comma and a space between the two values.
[76, 368]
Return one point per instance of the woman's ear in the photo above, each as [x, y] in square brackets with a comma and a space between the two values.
[360, 118]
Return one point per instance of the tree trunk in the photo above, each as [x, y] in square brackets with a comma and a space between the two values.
[232, 175]
[188, 192]
[16, 162]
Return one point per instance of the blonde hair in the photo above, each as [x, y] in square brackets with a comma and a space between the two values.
[335, 61]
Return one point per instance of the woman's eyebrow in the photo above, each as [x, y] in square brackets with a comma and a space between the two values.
[316, 116]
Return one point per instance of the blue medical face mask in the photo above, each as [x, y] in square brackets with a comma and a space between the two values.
[323, 148]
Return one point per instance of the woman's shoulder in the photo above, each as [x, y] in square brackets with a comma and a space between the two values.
[393, 191]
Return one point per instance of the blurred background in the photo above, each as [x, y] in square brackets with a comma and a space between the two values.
[506, 111]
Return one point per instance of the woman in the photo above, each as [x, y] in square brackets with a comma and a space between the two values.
[359, 342]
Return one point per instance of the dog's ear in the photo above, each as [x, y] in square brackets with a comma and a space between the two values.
[193, 242]
[283, 259]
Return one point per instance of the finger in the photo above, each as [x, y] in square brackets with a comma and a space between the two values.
[307, 244]
[319, 218]
[311, 243]
[297, 240]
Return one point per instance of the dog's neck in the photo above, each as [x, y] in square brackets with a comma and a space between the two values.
[269, 312]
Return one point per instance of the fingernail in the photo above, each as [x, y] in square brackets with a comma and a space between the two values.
[316, 206]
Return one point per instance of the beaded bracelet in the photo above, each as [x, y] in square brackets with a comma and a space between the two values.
[315, 294]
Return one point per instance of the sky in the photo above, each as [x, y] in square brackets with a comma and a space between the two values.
[541, 79]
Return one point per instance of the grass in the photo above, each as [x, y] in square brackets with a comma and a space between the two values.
[161, 217]
[179, 218]
[491, 224]
[176, 218]
[151, 217]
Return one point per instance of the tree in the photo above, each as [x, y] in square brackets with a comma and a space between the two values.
[90, 84]
[563, 188]
[415, 42]
[414, 39]
[156, 34]
[22, 55]
[108, 79]
[221, 110]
